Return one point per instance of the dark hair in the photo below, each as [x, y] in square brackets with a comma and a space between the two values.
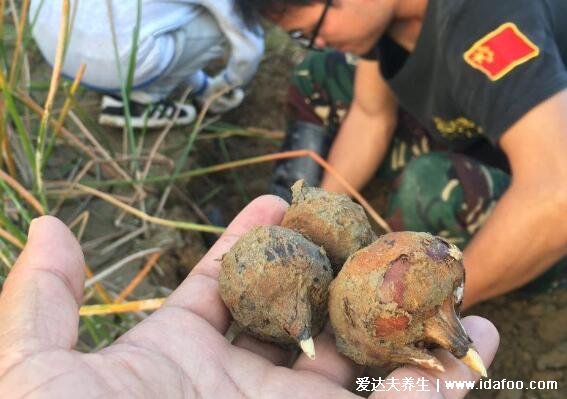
[252, 10]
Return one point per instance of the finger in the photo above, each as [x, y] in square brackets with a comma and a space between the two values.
[199, 292]
[42, 294]
[328, 362]
[271, 352]
[485, 338]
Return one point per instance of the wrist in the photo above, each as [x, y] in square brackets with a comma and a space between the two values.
[232, 81]
[203, 86]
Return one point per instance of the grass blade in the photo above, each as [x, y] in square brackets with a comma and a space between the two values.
[43, 127]
[18, 46]
[136, 306]
[14, 115]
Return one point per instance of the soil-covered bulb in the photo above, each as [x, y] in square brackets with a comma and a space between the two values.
[330, 220]
[397, 298]
[275, 284]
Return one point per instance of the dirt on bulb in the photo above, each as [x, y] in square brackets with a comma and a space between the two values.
[330, 220]
[275, 284]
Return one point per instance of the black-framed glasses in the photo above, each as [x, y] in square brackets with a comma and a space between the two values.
[309, 42]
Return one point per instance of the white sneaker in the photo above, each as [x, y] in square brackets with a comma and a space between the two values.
[145, 114]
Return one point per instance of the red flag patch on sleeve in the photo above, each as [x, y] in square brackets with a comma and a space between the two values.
[501, 51]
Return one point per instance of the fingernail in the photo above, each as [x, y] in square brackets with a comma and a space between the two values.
[287, 204]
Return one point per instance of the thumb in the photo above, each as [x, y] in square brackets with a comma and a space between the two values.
[41, 296]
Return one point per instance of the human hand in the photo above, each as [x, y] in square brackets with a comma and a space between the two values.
[230, 98]
[180, 350]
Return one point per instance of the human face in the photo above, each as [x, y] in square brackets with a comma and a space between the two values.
[347, 25]
[308, 41]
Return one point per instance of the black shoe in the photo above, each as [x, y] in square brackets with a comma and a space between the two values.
[300, 136]
[145, 114]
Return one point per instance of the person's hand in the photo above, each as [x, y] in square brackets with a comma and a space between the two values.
[224, 97]
[180, 350]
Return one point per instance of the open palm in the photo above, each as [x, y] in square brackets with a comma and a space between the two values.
[180, 350]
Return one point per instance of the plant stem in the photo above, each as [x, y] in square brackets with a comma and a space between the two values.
[136, 306]
[43, 127]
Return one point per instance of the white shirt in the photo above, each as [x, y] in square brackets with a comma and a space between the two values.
[91, 38]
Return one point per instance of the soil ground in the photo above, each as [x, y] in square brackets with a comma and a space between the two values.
[533, 342]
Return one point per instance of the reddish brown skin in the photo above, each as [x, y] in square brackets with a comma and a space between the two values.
[385, 299]
[384, 327]
[393, 288]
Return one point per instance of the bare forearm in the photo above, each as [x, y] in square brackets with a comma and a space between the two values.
[366, 131]
[525, 234]
[358, 150]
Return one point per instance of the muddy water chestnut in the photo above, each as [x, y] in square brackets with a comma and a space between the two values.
[275, 284]
[397, 298]
[330, 220]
